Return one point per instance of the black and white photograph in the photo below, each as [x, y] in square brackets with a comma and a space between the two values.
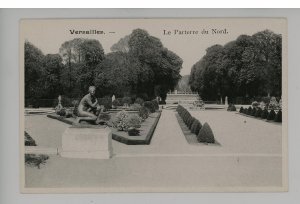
[153, 105]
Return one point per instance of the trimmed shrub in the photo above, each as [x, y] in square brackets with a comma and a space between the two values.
[266, 99]
[61, 112]
[206, 134]
[258, 112]
[271, 115]
[155, 103]
[144, 113]
[191, 121]
[196, 126]
[35, 160]
[273, 103]
[116, 102]
[255, 104]
[231, 107]
[241, 109]
[262, 105]
[264, 114]
[134, 121]
[245, 110]
[150, 106]
[126, 100]
[278, 117]
[121, 121]
[280, 104]
[29, 141]
[253, 112]
[187, 118]
[135, 106]
[139, 101]
[179, 109]
[249, 111]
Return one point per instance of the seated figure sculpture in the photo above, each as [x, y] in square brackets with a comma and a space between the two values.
[89, 109]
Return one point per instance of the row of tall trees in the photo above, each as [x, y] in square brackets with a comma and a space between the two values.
[138, 66]
[249, 66]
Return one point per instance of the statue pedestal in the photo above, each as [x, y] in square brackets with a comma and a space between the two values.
[87, 142]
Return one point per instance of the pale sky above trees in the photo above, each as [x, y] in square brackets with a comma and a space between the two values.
[48, 35]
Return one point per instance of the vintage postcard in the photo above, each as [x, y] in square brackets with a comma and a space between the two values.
[153, 105]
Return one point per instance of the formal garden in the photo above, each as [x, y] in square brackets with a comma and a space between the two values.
[214, 117]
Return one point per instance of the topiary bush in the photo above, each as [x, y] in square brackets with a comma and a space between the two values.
[264, 114]
[139, 101]
[150, 106]
[155, 103]
[231, 107]
[273, 103]
[61, 112]
[126, 100]
[121, 121]
[135, 106]
[29, 141]
[134, 121]
[245, 110]
[253, 112]
[144, 113]
[35, 160]
[280, 104]
[249, 111]
[271, 115]
[241, 109]
[255, 104]
[116, 103]
[206, 134]
[278, 117]
[196, 126]
[187, 118]
[258, 112]
[179, 109]
[191, 121]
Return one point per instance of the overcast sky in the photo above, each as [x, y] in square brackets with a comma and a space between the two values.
[48, 35]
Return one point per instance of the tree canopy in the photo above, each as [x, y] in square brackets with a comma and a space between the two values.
[138, 66]
[248, 66]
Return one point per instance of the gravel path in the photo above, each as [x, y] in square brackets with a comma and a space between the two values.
[249, 156]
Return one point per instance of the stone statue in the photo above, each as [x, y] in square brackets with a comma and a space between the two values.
[113, 98]
[226, 101]
[59, 106]
[89, 108]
